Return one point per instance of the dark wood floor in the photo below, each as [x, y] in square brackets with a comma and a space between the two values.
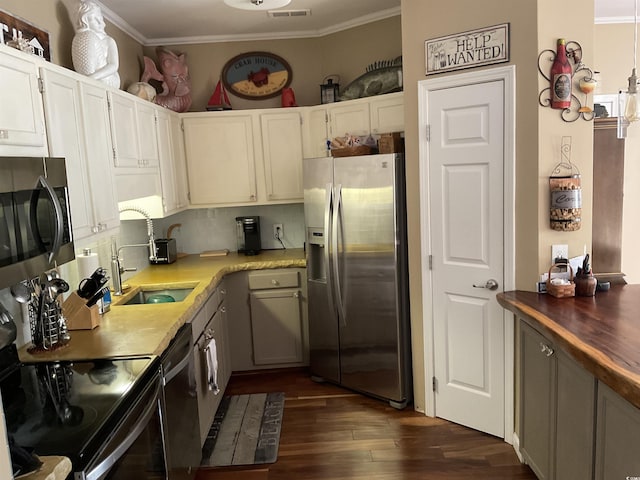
[330, 433]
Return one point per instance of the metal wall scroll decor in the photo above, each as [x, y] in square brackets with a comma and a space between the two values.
[582, 80]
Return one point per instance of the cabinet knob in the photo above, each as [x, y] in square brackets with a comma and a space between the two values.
[296, 294]
[275, 282]
[223, 292]
[546, 349]
[223, 309]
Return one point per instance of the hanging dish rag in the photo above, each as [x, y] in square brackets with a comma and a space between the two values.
[211, 354]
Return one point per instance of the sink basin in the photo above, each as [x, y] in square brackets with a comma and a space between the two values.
[143, 296]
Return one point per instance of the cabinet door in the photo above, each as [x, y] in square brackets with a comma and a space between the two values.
[66, 139]
[147, 134]
[179, 163]
[618, 430]
[315, 132]
[167, 174]
[387, 113]
[282, 154]
[220, 159]
[22, 129]
[95, 116]
[574, 420]
[349, 118]
[276, 326]
[537, 401]
[124, 131]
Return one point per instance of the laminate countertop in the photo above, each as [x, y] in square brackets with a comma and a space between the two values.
[602, 333]
[136, 330]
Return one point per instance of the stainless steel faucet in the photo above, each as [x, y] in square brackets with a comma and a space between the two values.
[116, 264]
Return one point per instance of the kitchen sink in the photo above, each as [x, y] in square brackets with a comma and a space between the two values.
[142, 296]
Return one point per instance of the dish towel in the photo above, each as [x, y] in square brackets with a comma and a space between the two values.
[211, 354]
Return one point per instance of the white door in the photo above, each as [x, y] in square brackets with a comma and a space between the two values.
[466, 152]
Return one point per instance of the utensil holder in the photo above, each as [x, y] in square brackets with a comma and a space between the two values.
[561, 291]
[586, 285]
[78, 315]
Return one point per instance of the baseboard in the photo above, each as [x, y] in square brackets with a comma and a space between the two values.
[516, 447]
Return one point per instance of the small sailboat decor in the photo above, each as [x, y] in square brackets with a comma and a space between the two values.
[219, 100]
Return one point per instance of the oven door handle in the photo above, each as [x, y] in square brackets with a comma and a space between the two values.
[103, 467]
[57, 241]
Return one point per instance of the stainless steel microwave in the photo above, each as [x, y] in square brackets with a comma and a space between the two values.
[35, 218]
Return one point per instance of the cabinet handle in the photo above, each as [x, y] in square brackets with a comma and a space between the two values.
[296, 294]
[223, 309]
[548, 351]
[223, 292]
[275, 282]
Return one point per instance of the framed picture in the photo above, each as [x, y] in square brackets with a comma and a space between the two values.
[22, 35]
[474, 48]
[256, 75]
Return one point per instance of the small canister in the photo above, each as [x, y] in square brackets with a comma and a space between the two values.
[566, 203]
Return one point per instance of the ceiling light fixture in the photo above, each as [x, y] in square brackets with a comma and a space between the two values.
[629, 109]
[257, 5]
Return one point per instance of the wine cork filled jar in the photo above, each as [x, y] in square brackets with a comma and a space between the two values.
[566, 203]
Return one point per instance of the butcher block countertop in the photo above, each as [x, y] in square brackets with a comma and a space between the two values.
[134, 330]
[602, 333]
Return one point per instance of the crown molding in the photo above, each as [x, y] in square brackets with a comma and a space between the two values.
[150, 42]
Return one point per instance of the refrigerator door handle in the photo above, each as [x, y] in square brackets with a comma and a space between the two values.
[328, 211]
[337, 216]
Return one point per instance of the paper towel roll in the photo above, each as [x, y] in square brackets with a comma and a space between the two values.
[88, 262]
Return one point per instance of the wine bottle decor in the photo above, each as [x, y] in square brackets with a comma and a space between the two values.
[566, 72]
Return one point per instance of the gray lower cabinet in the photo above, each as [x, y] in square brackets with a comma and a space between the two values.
[557, 410]
[211, 323]
[268, 325]
[617, 437]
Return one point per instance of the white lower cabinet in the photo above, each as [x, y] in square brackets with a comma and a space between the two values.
[210, 323]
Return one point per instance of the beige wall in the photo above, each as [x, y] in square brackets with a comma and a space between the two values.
[346, 54]
[58, 18]
[419, 24]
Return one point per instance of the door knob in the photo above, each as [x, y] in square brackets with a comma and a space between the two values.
[490, 285]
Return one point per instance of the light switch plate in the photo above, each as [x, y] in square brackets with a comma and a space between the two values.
[559, 251]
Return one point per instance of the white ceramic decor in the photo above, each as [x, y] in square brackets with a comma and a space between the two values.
[93, 52]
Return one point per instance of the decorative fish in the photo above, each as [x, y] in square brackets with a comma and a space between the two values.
[381, 77]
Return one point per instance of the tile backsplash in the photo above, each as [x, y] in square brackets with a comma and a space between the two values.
[200, 230]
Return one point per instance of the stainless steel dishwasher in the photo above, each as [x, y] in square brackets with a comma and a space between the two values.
[181, 407]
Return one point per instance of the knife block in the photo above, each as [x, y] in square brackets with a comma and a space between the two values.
[78, 315]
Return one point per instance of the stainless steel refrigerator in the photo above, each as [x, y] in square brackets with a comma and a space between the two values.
[355, 220]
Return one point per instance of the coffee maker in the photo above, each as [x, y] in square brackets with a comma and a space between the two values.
[248, 233]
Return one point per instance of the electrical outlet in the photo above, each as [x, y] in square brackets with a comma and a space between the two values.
[559, 251]
[278, 231]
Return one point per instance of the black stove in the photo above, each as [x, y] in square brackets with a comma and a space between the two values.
[69, 408]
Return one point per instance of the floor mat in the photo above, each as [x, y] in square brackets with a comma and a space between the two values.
[245, 431]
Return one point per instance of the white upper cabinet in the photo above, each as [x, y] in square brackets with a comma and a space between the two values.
[133, 130]
[172, 167]
[179, 163]
[221, 160]
[315, 131]
[387, 113]
[282, 154]
[95, 111]
[124, 134]
[22, 130]
[77, 128]
[349, 118]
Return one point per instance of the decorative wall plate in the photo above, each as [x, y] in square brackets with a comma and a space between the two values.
[256, 75]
